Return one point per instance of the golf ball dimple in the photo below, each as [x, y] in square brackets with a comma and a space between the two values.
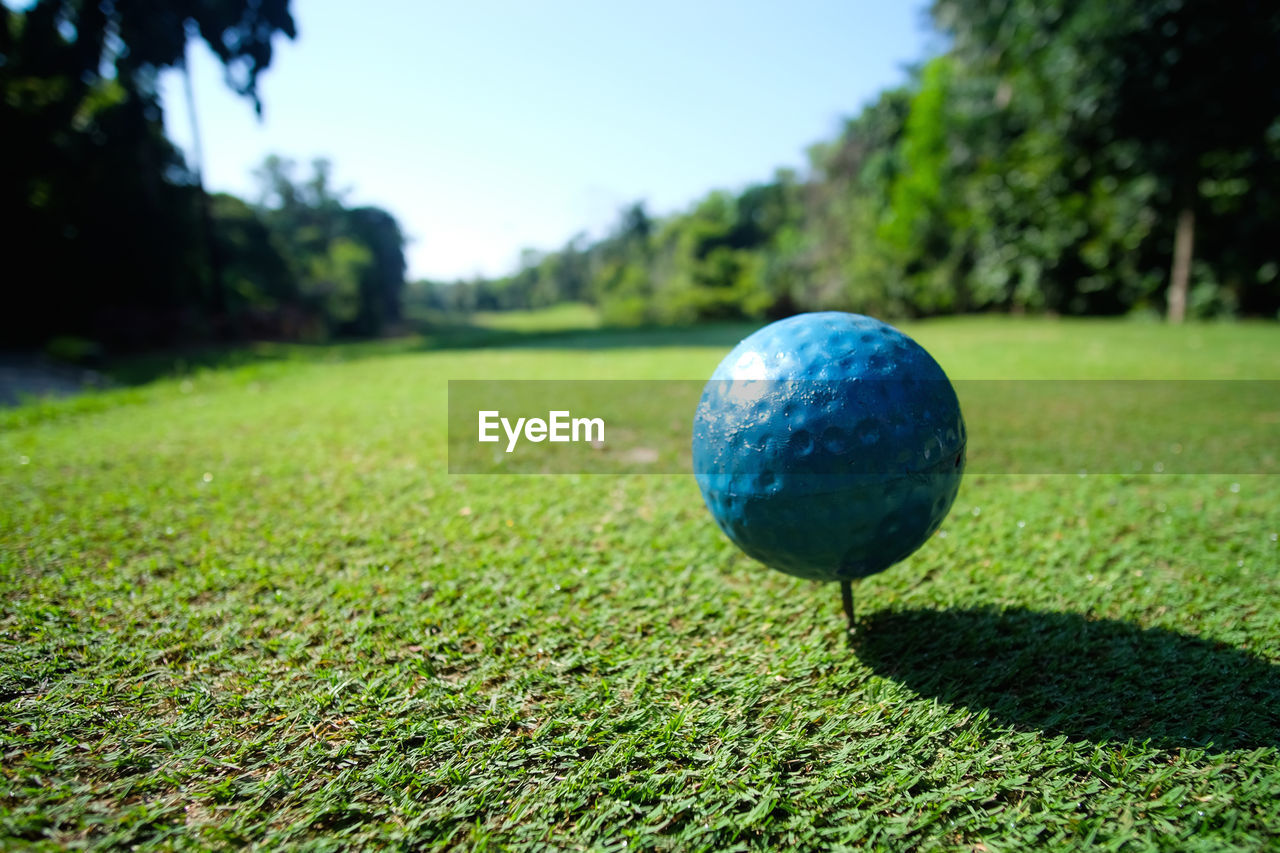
[829, 445]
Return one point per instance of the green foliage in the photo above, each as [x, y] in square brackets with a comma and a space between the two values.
[347, 264]
[105, 207]
[1038, 165]
[102, 208]
[731, 256]
[916, 193]
[1112, 113]
[333, 279]
[253, 258]
[247, 607]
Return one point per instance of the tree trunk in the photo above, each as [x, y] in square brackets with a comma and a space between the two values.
[1180, 276]
[218, 294]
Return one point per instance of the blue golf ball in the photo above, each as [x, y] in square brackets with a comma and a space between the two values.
[828, 445]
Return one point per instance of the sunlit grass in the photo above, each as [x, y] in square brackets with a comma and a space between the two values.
[567, 316]
[248, 605]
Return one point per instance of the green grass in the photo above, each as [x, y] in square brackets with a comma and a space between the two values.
[248, 606]
[569, 316]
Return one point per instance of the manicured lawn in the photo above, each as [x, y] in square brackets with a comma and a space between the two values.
[570, 316]
[249, 605]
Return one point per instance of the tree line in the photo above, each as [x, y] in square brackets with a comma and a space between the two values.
[111, 238]
[1085, 157]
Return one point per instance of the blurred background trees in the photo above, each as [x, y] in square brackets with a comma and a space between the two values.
[110, 234]
[1092, 157]
[1089, 157]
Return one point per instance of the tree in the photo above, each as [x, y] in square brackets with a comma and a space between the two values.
[1194, 79]
[107, 209]
[348, 262]
[846, 264]
[382, 283]
[620, 262]
[136, 39]
[257, 275]
[332, 282]
[1183, 83]
[1055, 159]
[923, 227]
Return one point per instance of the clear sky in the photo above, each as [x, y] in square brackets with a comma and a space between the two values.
[487, 127]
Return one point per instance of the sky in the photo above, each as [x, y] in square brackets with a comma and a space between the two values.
[490, 127]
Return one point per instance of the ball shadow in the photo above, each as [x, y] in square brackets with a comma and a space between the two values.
[1093, 679]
